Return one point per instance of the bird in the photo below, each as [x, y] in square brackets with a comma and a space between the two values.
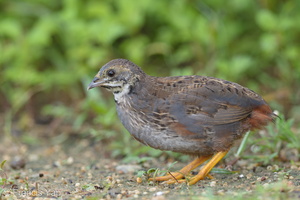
[195, 115]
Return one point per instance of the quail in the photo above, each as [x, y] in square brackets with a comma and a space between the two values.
[195, 115]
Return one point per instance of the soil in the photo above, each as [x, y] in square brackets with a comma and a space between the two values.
[80, 168]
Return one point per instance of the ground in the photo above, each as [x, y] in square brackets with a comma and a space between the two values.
[80, 168]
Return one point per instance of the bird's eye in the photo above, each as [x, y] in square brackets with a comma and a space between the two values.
[111, 73]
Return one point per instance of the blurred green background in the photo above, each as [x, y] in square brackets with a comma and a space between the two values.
[50, 51]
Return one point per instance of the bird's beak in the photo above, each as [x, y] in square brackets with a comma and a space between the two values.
[95, 83]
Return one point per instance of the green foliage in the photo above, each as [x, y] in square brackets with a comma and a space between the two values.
[49, 49]
[277, 138]
[2, 164]
[3, 177]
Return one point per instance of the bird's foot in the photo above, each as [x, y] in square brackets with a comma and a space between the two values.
[178, 177]
[183, 175]
[190, 180]
[172, 176]
[183, 172]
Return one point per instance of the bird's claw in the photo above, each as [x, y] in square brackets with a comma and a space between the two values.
[182, 179]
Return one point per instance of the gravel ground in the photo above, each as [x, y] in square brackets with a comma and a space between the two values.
[77, 170]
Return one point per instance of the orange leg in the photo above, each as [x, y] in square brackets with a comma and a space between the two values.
[184, 171]
[206, 169]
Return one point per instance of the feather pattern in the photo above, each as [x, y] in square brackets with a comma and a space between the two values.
[190, 114]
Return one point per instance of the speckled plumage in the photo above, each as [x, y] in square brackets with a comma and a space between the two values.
[188, 114]
[196, 115]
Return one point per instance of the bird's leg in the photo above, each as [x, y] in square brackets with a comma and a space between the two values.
[184, 171]
[206, 169]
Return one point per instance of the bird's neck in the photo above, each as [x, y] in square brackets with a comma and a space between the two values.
[137, 86]
[120, 94]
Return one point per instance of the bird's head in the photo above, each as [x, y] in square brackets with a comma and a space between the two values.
[117, 75]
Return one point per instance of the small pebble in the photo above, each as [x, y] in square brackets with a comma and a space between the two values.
[213, 183]
[263, 178]
[249, 176]
[119, 196]
[275, 168]
[57, 164]
[158, 198]
[64, 181]
[242, 163]
[286, 176]
[139, 180]
[77, 184]
[109, 179]
[83, 169]
[137, 192]
[34, 193]
[152, 189]
[159, 193]
[17, 162]
[118, 181]
[70, 160]
[294, 167]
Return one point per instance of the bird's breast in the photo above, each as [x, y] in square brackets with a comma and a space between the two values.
[147, 129]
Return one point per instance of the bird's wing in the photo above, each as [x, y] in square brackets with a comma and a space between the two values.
[206, 111]
[217, 104]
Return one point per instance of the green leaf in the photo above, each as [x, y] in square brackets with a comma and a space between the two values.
[267, 20]
[222, 171]
[2, 164]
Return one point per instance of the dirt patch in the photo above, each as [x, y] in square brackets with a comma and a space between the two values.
[82, 169]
